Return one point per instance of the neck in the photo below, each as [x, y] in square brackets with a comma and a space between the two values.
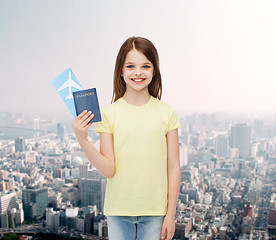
[136, 98]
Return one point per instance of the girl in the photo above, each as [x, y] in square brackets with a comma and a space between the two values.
[139, 151]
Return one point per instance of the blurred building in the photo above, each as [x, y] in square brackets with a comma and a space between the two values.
[246, 225]
[83, 168]
[52, 219]
[258, 128]
[92, 192]
[19, 144]
[3, 174]
[7, 201]
[272, 217]
[186, 175]
[60, 131]
[103, 232]
[11, 218]
[89, 222]
[35, 201]
[248, 211]
[222, 146]
[241, 139]
[183, 154]
[71, 217]
[30, 157]
[182, 228]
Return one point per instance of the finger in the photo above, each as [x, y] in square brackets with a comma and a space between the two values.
[169, 235]
[87, 120]
[81, 121]
[163, 233]
[78, 118]
[85, 116]
[82, 114]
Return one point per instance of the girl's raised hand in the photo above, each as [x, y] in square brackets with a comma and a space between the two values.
[80, 124]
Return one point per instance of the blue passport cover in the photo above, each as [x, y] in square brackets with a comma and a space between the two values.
[88, 100]
[65, 84]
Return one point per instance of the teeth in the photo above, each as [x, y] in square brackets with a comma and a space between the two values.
[137, 80]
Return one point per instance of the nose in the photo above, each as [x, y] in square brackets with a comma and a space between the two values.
[137, 71]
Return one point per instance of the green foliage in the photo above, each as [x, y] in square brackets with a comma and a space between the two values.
[10, 236]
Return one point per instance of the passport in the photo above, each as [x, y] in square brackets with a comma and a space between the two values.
[88, 100]
[65, 84]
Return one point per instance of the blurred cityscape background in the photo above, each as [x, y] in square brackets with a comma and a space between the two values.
[228, 179]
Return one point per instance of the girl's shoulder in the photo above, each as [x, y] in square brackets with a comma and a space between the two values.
[111, 107]
[162, 105]
[167, 113]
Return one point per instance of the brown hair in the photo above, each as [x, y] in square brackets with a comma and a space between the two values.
[146, 47]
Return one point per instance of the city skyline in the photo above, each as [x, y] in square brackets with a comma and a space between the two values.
[227, 182]
[215, 55]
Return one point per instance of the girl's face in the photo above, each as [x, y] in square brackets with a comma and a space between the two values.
[137, 71]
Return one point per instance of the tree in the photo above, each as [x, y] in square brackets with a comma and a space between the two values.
[10, 236]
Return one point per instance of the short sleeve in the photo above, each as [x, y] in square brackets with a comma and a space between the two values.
[174, 121]
[106, 124]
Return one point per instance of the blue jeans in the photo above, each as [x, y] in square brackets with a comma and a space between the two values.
[132, 228]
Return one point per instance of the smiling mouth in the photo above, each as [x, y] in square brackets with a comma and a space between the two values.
[138, 79]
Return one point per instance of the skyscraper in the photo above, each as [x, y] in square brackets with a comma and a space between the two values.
[35, 201]
[60, 131]
[222, 145]
[83, 168]
[7, 202]
[92, 192]
[241, 139]
[183, 154]
[19, 144]
[89, 222]
[258, 128]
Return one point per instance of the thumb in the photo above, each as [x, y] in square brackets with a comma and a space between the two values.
[163, 232]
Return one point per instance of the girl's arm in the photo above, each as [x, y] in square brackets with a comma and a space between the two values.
[168, 227]
[103, 161]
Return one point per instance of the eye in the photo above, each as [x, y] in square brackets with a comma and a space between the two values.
[146, 66]
[129, 66]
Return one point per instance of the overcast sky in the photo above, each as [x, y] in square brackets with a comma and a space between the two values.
[215, 55]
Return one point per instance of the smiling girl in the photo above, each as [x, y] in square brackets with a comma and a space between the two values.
[139, 150]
